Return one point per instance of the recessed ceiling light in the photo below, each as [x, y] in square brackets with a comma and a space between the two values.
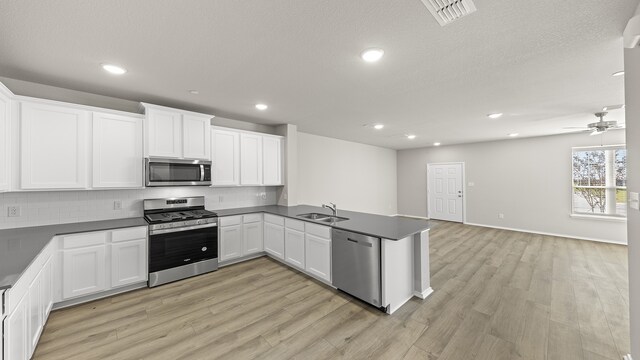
[618, 73]
[114, 69]
[436, 144]
[261, 106]
[514, 134]
[378, 126]
[194, 92]
[372, 55]
[494, 115]
[411, 136]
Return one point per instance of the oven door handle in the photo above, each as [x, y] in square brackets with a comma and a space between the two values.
[194, 227]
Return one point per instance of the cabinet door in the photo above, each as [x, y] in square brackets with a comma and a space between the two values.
[271, 160]
[53, 147]
[252, 238]
[128, 262]
[35, 312]
[294, 247]
[83, 271]
[274, 240]
[47, 289]
[5, 106]
[196, 139]
[230, 242]
[318, 256]
[225, 155]
[164, 133]
[117, 151]
[16, 332]
[250, 159]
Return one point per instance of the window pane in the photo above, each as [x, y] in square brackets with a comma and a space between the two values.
[621, 202]
[589, 200]
[588, 168]
[621, 167]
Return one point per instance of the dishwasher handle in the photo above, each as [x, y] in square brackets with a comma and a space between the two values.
[361, 242]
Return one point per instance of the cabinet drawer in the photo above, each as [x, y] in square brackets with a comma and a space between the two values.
[294, 224]
[134, 233]
[230, 220]
[273, 219]
[318, 230]
[84, 240]
[251, 218]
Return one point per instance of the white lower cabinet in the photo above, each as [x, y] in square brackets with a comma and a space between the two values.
[128, 262]
[252, 238]
[16, 334]
[83, 271]
[294, 246]
[274, 239]
[98, 261]
[29, 303]
[230, 242]
[318, 256]
[240, 236]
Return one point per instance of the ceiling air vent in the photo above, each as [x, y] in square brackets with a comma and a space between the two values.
[447, 11]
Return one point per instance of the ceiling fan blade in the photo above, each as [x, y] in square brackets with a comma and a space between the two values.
[575, 127]
[597, 132]
[612, 107]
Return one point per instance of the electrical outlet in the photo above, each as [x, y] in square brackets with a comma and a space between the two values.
[471, 184]
[263, 196]
[13, 211]
[117, 205]
[500, 216]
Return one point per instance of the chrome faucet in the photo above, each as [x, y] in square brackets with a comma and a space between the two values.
[333, 208]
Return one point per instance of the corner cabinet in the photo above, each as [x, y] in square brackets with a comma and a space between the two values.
[250, 159]
[240, 236]
[274, 236]
[271, 160]
[53, 145]
[117, 151]
[179, 134]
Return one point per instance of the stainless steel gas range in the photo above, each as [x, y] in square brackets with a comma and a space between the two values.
[183, 239]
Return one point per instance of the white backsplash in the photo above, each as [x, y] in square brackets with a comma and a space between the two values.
[58, 207]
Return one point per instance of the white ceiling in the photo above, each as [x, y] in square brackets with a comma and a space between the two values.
[545, 64]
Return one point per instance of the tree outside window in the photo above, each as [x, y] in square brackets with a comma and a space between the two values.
[600, 181]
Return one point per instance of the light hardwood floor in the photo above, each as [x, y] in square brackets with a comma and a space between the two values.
[498, 295]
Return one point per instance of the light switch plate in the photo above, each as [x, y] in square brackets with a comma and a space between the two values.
[634, 200]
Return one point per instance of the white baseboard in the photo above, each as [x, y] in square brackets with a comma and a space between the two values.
[547, 233]
[412, 216]
[423, 295]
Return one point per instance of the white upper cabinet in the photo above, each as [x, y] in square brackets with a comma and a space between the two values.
[225, 155]
[164, 133]
[271, 160]
[53, 146]
[196, 140]
[173, 133]
[5, 115]
[117, 151]
[250, 159]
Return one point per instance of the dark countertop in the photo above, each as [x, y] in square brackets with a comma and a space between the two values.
[386, 227]
[20, 246]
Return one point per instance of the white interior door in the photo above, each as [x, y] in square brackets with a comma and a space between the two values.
[445, 192]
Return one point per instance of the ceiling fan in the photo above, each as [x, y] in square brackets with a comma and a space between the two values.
[601, 126]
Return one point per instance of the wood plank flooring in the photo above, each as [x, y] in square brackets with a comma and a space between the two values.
[498, 295]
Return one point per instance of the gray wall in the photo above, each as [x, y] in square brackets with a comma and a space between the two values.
[528, 180]
[354, 176]
[632, 95]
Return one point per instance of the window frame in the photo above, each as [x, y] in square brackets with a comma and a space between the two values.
[587, 215]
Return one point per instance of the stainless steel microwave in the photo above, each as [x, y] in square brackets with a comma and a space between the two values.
[172, 172]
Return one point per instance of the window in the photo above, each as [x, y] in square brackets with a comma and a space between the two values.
[600, 181]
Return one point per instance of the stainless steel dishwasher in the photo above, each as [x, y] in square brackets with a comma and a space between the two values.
[356, 266]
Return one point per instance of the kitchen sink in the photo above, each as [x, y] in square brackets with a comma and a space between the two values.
[313, 216]
[332, 219]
